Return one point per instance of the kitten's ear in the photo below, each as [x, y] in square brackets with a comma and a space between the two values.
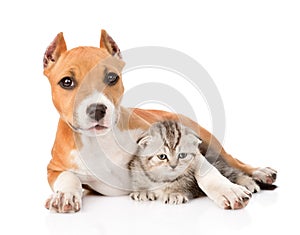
[194, 137]
[144, 140]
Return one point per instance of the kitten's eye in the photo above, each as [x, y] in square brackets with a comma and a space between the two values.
[182, 155]
[67, 83]
[162, 157]
[111, 78]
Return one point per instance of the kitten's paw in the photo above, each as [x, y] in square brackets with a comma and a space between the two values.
[248, 182]
[175, 198]
[265, 175]
[143, 196]
[232, 196]
[64, 202]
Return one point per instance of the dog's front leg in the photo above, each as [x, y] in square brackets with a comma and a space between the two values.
[224, 193]
[67, 194]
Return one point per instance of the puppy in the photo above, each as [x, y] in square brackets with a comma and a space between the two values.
[96, 136]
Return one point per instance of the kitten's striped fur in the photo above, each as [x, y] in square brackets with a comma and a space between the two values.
[164, 165]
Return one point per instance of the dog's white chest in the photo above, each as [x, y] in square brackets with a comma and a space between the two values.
[102, 161]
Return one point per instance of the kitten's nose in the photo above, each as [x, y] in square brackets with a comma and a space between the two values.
[173, 166]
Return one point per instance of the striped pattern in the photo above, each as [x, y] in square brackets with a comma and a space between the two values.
[170, 132]
[164, 177]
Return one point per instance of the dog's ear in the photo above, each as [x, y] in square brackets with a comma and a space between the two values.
[54, 50]
[109, 44]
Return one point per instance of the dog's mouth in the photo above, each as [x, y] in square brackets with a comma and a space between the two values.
[96, 128]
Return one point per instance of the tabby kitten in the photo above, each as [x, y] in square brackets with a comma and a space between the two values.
[164, 165]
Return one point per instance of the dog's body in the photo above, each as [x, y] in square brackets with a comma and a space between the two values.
[87, 90]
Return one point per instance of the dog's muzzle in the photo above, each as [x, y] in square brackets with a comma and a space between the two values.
[96, 111]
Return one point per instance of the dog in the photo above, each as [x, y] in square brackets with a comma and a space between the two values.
[86, 85]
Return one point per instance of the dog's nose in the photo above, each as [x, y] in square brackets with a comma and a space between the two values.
[96, 111]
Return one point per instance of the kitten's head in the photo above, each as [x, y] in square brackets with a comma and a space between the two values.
[167, 149]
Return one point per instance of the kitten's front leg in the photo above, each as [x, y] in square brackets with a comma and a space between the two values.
[174, 198]
[218, 188]
[143, 196]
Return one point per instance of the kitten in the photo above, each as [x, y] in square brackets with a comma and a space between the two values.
[165, 162]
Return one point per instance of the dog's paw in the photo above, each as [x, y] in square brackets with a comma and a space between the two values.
[265, 175]
[143, 196]
[232, 196]
[248, 182]
[64, 202]
[174, 198]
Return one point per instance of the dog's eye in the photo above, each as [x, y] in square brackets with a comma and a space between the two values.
[162, 157]
[182, 155]
[67, 83]
[111, 78]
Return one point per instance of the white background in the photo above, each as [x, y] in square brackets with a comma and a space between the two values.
[250, 48]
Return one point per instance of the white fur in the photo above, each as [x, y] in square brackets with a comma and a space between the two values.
[67, 182]
[218, 188]
[248, 182]
[264, 175]
[67, 193]
[82, 120]
[102, 161]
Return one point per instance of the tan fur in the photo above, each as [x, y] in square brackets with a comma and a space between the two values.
[64, 144]
[82, 63]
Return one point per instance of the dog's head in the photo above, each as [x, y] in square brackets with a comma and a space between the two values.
[86, 83]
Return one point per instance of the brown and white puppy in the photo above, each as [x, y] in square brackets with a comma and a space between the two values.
[96, 136]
